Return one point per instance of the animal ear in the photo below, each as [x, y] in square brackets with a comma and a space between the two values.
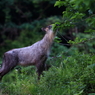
[43, 29]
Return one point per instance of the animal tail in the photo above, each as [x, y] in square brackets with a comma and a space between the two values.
[1, 67]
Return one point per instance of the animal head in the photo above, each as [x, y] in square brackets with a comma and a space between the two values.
[49, 28]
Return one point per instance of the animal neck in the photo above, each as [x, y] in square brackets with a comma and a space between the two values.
[48, 39]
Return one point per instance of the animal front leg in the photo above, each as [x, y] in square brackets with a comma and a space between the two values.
[40, 69]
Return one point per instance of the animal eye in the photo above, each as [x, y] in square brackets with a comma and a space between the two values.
[50, 27]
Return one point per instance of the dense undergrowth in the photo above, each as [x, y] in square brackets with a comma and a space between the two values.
[69, 75]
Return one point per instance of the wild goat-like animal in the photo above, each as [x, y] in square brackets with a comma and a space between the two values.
[35, 54]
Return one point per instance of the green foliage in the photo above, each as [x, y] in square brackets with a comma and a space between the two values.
[19, 84]
[78, 13]
[59, 3]
[73, 69]
[77, 41]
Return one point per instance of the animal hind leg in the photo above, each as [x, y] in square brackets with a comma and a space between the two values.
[4, 70]
[9, 62]
[47, 66]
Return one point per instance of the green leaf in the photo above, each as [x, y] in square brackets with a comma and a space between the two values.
[59, 3]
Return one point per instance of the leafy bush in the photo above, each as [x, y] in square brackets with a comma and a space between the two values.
[19, 82]
[71, 77]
